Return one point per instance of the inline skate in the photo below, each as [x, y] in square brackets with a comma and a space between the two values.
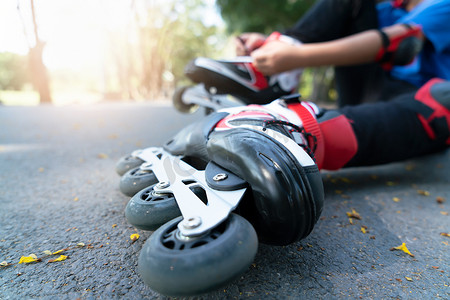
[234, 82]
[238, 176]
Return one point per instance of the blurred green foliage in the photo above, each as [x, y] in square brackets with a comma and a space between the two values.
[262, 15]
[13, 71]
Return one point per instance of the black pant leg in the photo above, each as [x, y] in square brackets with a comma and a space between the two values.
[391, 131]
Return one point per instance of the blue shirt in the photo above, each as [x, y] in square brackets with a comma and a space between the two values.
[434, 59]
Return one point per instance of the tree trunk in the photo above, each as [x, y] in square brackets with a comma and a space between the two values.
[39, 73]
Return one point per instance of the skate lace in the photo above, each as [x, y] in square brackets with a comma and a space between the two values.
[310, 138]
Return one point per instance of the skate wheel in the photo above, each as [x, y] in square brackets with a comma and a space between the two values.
[175, 265]
[148, 211]
[127, 163]
[135, 180]
[177, 100]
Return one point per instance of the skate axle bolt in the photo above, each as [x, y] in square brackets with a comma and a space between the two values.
[220, 177]
[192, 222]
[162, 185]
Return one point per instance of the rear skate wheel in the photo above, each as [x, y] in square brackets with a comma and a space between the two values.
[175, 265]
[135, 180]
[148, 210]
[178, 103]
[127, 163]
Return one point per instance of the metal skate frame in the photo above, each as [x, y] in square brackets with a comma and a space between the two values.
[179, 178]
[199, 95]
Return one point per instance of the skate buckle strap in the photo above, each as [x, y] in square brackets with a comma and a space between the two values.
[312, 129]
[184, 181]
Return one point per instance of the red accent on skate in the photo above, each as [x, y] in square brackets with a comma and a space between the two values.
[274, 36]
[311, 126]
[424, 95]
[340, 142]
[259, 80]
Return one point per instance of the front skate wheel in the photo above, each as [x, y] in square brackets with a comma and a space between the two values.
[180, 105]
[127, 163]
[135, 180]
[176, 265]
[149, 210]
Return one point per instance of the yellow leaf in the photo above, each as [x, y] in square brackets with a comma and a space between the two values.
[114, 225]
[76, 199]
[423, 192]
[47, 252]
[59, 251]
[80, 245]
[27, 259]
[408, 278]
[396, 199]
[354, 214]
[445, 234]
[346, 180]
[102, 155]
[363, 230]
[134, 237]
[33, 256]
[444, 213]
[60, 258]
[403, 248]
[3, 264]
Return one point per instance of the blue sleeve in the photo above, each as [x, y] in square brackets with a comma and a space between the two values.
[434, 17]
[388, 14]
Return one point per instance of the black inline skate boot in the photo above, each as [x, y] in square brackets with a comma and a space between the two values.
[239, 175]
[235, 82]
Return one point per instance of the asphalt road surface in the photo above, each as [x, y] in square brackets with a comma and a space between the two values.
[58, 188]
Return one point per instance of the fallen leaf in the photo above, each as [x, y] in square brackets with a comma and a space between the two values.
[134, 237]
[445, 234]
[4, 264]
[47, 252]
[398, 279]
[434, 267]
[60, 258]
[444, 213]
[28, 259]
[423, 192]
[391, 183]
[114, 225]
[403, 248]
[102, 155]
[409, 167]
[353, 214]
[346, 180]
[440, 200]
[364, 229]
[59, 251]
[408, 278]
[396, 199]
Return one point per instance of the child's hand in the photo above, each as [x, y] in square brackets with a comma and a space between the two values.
[275, 57]
[247, 42]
